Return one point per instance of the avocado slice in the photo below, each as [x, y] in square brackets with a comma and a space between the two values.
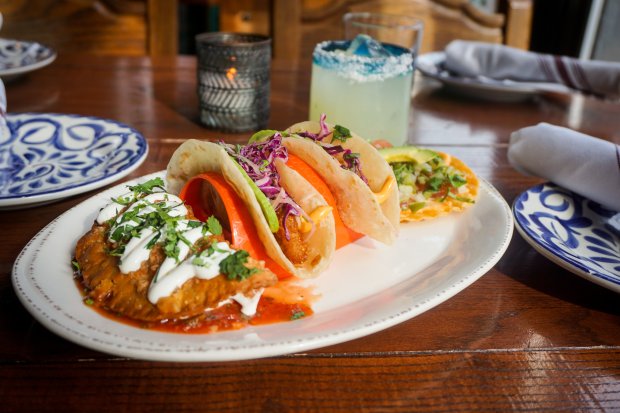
[407, 154]
[263, 201]
[261, 135]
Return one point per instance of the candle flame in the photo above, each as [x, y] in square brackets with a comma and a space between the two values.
[231, 73]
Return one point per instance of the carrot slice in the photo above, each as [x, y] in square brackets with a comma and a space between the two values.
[344, 235]
[243, 234]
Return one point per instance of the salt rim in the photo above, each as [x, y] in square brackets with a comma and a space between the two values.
[361, 68]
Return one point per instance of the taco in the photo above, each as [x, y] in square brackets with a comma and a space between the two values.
[430, 184]
[148, 259]
[292, 220]
[362, 182]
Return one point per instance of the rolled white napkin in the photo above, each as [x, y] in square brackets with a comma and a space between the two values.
[480, 59]
[581, 163]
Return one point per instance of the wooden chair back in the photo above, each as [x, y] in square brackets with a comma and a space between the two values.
[299, 25]
[126, 27]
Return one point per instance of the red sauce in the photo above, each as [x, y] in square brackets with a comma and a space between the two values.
[226, 317]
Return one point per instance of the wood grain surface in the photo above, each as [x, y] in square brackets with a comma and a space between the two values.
[527, 336]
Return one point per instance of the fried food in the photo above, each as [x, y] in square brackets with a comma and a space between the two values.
[259, 176]
[174, 278]
[359, 178]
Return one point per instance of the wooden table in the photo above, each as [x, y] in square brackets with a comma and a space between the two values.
[527, 336]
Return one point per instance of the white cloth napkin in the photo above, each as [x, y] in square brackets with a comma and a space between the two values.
[583, 164]
[479, 59]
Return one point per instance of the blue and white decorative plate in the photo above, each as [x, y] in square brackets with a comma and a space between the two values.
[46, 157]
[18, 57]
[572, 231]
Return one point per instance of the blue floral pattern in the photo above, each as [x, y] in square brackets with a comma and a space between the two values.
[572, 228]
[16, 54]
[46, 153]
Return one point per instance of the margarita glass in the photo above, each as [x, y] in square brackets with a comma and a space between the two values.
[363, 84]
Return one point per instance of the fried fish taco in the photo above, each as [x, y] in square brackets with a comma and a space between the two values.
[293, 221]
[430, 184]
[362, 182]
[148, 259]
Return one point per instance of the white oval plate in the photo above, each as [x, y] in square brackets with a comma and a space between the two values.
[433, 65]
[572, 231]
[47, 157]
[18, 57]
[369, 287]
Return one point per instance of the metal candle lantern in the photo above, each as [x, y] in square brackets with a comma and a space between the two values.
[234, 80]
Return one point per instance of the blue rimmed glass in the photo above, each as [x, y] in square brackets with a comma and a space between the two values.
[367, 87]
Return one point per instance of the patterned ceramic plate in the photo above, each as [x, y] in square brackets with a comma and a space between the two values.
[18, 57]
[46, 157]
[571, 231]
[367, 288]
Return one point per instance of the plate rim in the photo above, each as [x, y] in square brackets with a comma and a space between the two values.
[31, 67]
[595, 276]
[281, 347]
[499, 87]
[61, 193]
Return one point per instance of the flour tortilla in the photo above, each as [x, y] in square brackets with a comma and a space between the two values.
[194, 157]
[356, 202]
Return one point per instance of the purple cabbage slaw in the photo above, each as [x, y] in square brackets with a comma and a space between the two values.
[257, 160]
[351, 160]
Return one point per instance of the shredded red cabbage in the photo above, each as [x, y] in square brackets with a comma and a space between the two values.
[351, 160]
[257, 160]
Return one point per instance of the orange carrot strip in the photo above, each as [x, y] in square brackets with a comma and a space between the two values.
[344, 235]
[243, 234]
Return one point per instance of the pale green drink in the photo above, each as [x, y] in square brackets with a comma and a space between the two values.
[369, 95]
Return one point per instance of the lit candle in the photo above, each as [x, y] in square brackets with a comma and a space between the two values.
[234, 80]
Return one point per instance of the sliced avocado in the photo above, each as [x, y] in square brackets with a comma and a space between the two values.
[263, 201]
[261, 135]
[407, 154]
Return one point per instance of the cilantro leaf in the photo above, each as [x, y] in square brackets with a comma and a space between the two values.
[233, 266]
[456, 180]
[297, 315]
[76, 266]
[340, 133]
[214, 225]
[148, 186]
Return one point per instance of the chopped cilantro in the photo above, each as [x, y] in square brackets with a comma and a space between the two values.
[199, 259]
[193, 224]
[297, 315]
[76, 266]
[88, 301]
[436, 182]
[340, 133]
[148, 186]
[214, 225]
[233, 266]
[462, 199]
[457, 180]
[123, 201]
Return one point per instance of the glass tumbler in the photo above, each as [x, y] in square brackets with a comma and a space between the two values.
[364, 82]
[234, 80]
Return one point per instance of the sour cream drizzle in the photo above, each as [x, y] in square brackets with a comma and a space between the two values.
[174, 271]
